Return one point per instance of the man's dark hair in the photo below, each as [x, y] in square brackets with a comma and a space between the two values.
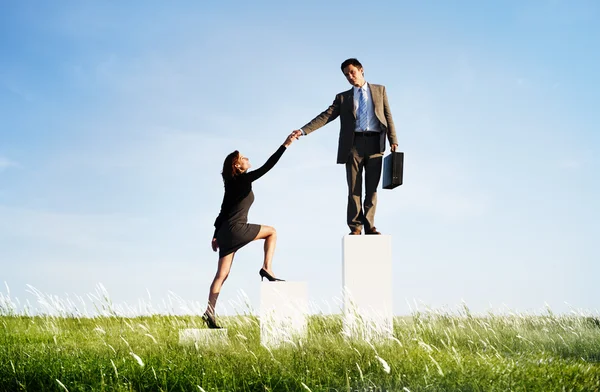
[351, 61]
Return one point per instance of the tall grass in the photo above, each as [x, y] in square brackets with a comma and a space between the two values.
[429, 351]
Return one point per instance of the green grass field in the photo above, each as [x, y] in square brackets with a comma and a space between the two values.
[429, 352]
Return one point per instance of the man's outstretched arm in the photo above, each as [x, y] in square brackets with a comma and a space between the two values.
[330, 114]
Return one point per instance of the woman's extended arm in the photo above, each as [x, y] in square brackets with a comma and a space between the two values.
[261, 171]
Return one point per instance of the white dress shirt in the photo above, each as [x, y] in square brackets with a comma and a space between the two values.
[372, 122]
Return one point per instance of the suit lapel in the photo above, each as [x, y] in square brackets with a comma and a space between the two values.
[349, 98]
[374, 95]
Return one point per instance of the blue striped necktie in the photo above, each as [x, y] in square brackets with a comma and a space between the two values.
[362, 109]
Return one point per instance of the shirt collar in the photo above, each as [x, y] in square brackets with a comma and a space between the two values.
[364, 88]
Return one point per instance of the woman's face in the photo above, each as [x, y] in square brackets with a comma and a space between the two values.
[243, 164]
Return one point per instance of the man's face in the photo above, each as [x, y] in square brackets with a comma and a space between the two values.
[354, 75]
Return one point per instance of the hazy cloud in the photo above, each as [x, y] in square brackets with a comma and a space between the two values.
[5, 163]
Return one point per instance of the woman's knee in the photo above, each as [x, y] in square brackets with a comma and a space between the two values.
[266, 231]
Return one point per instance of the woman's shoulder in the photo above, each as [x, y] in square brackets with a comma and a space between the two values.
[236, 180]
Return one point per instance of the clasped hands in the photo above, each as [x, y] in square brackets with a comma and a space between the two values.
[291, 137]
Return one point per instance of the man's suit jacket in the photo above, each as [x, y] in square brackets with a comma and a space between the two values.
[343, 106]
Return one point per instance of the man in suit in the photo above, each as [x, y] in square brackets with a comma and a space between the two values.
[365, 122]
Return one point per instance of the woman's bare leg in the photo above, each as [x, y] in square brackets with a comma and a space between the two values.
[269, 234]
[220, 277]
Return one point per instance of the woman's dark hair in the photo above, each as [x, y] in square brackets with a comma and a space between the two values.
[351, 61]
[229, 169]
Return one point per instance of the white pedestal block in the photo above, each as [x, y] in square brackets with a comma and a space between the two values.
[202, 337]
[283, 310]
[367, 286]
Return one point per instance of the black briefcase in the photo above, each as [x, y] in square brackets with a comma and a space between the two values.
[393, 166]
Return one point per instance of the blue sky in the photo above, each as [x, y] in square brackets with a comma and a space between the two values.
[115, 120]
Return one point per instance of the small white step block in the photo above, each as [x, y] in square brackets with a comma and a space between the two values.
[283, 311]
[202, 337]
[367, 286]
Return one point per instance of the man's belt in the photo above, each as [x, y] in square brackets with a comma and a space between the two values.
[366, 134]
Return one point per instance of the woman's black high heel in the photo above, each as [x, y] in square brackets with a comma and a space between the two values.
[264, 274]
[210, 321]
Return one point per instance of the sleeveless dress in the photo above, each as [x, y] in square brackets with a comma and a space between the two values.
[232, 229]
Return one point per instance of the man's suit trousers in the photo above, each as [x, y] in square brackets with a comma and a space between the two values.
[364, 156]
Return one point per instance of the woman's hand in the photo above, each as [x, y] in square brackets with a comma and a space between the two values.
[291, 137]
[214, 244]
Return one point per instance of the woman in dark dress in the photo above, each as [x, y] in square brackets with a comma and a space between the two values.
[232, 230]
